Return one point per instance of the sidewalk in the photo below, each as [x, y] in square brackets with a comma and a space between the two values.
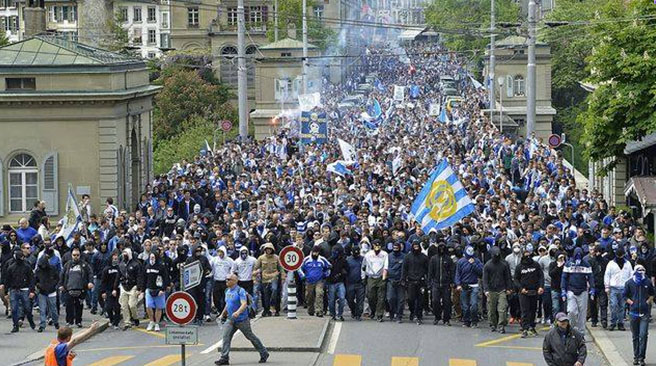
[28, 345]
[617, 346]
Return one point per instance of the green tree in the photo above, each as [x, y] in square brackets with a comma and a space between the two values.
[464, 24]
[3, 38]
[623, 67]
[291, 12]
[186, 144]
[117, 40]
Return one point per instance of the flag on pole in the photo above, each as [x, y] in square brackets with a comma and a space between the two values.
[442, 201]
[72, 217]
[396, 164]
[348, 150]
[208, 149]
[339, 167]
[444, 118]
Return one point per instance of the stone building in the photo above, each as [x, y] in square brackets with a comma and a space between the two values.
[72, 114]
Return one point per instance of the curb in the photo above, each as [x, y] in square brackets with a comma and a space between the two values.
[39, 355]
[607, 347]
[315, 348]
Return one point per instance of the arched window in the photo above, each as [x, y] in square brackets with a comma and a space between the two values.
[229, 65]
[23, 182]
[250, 65]
[520, 85]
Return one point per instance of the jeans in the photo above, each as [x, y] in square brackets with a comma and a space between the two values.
[336, 290]
[577, 309]
[209, 286]
[395, 298]
[497, 304]
[269, 295]
[639, 332]
[20, 299]
[442, 303]
[355, 298]
[229, 329]
[616, 301]
[469, 301]
[48, 307]
[556, 303]
[547, 312]
[92, 295]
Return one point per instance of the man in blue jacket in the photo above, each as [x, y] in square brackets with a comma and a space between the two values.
[639, 294]
[576, 280]
[314, 270]
[468, 271]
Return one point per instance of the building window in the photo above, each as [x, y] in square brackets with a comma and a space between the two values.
[151, 55]
[232, 16]
[3, 24]
[23, 183]
[136, 36]
[229, 65]
[520, 85]
[13, 24]
[164, 40]
[285, 54]
[123, 14]
[152, 37]
[254, 14]
[152, 14]
[20, 84]
[192, 17]
[318, 11]
[165, 20]
[136, 16]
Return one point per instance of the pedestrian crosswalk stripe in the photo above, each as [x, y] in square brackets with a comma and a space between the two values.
[461, 362]
[165, 361]
[347, 360]
[508, 363]
[405, 361]
[111, 361]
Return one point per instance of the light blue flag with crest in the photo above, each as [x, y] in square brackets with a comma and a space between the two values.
[72, 217]
[442, 202]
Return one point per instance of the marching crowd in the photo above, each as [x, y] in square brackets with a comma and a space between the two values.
[536, 249]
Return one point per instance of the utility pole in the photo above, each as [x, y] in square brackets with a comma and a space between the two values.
[241, 71]
[305, 47]
[491, 79]
[275, 20]
[530, 77]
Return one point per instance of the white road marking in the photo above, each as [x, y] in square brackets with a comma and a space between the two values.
[334, 337]
[219, 344]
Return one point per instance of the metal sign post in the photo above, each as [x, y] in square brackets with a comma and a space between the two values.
[291, 259]
[291, 296]
[181, 309]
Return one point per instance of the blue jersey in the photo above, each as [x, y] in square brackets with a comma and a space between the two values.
[233, 298]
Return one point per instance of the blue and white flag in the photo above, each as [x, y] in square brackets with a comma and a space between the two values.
[72, 217]
[369, 201]
[442, 202]
[339, 167]
[348, 150]
[414, 91]
[376, 110]
[444, 118]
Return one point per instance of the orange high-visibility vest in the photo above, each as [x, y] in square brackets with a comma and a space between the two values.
[50, 357]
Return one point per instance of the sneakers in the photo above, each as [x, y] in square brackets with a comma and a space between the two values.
[263, 359]
[419, 321]
[447, 323]
[115, 327]
[157, 328]
[340, 318]
[56, 325]
[532, 332]
[79, 325]
[611, 328]
[493, 329]
[636, 361]
[436, 321]
[524, 333]
[620, 327]
[14, 329]
[40, 330]
[127, 326]
[222, 361]
[380, 319]
[150, 327]
[502, 330]
[208, 319]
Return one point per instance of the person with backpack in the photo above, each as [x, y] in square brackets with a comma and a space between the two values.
[234, 317]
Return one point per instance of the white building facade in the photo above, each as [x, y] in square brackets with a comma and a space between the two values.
[9, 20]
[148, 24]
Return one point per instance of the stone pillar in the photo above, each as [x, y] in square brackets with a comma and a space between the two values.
[35, 21]
[94, 20]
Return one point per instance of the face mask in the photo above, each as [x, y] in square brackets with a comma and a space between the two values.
[639, 276]
[416, 249]
[645, 249]
[115, 262]
[126, 257]
[397, 249]
[315, 255]
[243, 255]
[152, 261]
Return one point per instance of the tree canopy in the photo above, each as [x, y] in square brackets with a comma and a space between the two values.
[3, 38]
[291, 12]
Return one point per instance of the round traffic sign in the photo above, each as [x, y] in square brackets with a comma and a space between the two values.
[226, 125]
[181, 308]
[291, 258]
[554, 140]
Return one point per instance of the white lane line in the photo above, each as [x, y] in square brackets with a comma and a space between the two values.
[334, 337]
[219, 344]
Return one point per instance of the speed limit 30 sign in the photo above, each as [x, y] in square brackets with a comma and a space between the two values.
[291, 258]
[181, 308]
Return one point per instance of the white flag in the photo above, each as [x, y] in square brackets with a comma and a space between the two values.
[399, 92]
[348, 151]
[396, 164]
[71, 218]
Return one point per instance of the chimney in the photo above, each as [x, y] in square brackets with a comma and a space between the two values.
[291, 30]
[35, 18]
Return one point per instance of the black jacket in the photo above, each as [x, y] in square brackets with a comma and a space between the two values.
[109, 280]
[131, 274]
[559, 353]
[528, 275]
[556, 273]
[496, 275]
[415, 267]
[76, 276]
[339, 269]
[156, 276]
[598, 264]
[46, 276]
[441, 271]
[18, 274]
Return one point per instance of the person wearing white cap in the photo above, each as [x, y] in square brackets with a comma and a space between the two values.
[639, 294]
[564, 345]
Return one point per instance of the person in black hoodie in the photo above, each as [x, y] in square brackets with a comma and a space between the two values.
[16, 277]
[395, 292]
[414, 273]
[110, 290]
[47, 277]
[131, 282]
[198, 292]
[76, 279]
[598, 303]
[556, 272]
[178, 263]
[441, 271]
[336, 288]
[530, 281]
[156, 283]
[497, 284]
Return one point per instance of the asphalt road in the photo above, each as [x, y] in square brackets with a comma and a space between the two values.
[350, 343]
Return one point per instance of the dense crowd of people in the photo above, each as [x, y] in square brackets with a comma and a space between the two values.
[536, 245]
